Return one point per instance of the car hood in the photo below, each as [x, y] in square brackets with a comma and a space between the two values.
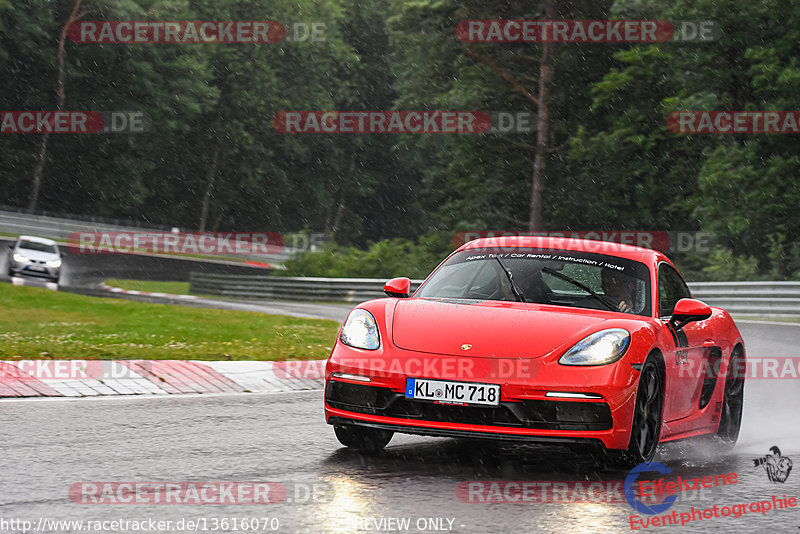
[37, 255]
[493, 329]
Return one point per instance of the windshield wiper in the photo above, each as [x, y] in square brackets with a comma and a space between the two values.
[514, 288]
[566, 278]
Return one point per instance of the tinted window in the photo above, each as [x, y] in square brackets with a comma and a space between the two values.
[671, 289]
[558, 277]
[35, 245]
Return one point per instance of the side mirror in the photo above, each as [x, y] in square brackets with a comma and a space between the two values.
[687, 311]
[398, 287]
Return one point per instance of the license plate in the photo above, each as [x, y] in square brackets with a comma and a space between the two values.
[453, 392]
[36, 268]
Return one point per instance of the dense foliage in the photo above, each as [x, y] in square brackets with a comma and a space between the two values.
[212, 159]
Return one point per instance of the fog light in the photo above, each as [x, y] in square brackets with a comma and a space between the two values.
[348, 376]
[569, 395]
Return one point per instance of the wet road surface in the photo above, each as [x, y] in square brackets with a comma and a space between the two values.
[416, 485]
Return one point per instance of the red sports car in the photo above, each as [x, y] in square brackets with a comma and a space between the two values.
[540, 339]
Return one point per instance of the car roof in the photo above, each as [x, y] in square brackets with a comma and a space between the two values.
[631, 252]
[42, 240]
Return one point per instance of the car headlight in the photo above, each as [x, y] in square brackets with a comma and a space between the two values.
[54, 263]
[600, 348]
[360, 330]
[19, 257]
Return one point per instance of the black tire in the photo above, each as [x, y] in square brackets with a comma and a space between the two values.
[362, 438]
[730, 421]
[646, 427]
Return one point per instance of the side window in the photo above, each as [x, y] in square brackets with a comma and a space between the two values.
[671, 289]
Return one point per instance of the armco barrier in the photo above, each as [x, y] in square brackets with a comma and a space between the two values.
[289, 288]
[756, 298]
[753, 298]
[60, 228]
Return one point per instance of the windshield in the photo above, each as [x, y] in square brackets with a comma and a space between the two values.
[35, 245]
[561, 278]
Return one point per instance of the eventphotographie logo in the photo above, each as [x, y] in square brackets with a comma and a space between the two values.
[635, 501]
[777, 467]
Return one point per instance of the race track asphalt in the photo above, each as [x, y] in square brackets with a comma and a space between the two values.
[47, 446]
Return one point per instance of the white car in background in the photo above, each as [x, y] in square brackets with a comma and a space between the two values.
[35, 256]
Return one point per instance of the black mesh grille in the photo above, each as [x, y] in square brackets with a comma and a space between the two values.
[536, 414]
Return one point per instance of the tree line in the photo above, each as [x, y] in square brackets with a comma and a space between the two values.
[600, 157]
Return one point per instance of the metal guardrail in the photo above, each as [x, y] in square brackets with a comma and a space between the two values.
[751, 298]
[59, 228]
[289, 288]
[113, 221]
[754, 298]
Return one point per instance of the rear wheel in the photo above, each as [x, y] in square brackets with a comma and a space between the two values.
[362, 438]
[733, 402]
[646, 428]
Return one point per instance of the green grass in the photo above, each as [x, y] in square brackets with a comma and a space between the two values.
[174, 288]
[38, 323]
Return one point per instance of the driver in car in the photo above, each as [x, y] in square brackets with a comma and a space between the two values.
[620, 289]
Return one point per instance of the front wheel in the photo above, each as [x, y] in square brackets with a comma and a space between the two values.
[362, 438]
[730, 420]
[646, 428]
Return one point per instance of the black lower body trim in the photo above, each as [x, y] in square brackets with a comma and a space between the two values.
[454, 433]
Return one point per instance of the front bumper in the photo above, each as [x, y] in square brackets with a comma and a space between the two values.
[34, 268]
[525, 413]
